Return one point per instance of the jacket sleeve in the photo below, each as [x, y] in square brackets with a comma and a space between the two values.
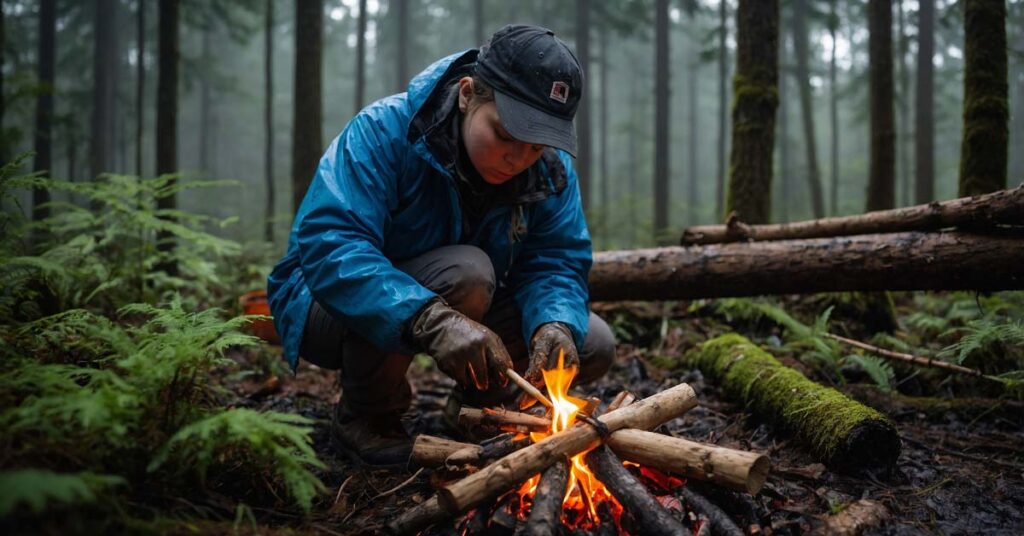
[550, 277]
[341, 225]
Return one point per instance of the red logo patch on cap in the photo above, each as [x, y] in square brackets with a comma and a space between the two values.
[559, 92]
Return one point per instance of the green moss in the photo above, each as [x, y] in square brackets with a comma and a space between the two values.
[838, 430]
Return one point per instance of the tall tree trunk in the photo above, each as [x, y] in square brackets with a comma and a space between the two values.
[205, 111]
[661, 118]
[104, 63]
[360, 58]
[402, 55]
[478, 23]
[755, 90]
[881, 186]
[924, 105]
[603, 142]
[634, 154]
[692, 193]
[803, 80]
[986, 110]
[306, 126]
[140, 81]
[3, 47]
[1017, 116]
[167, 114]
[44, 103]
[723, 105]
[833, 22]
[583, 148]
[268, 116]
[903, 134]
[785, 161]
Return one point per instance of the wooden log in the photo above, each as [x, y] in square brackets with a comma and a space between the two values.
[989, 210]
[503, 419]
[718, 520]
[648, 515]
[546, 510]
[900, 261]
[734, 469]
[520, 465]
[841, 432]
[418, 517]
[431, 451]
[856, 518]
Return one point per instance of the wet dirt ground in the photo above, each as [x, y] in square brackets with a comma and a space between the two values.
[957, 474]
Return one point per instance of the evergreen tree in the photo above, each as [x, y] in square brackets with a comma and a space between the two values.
[755, 87]
[167, 115]
[268, 118]
[661, 118]
[881, 180]
[44, 103]
[801, 51]
[306, 125]
[924, 105]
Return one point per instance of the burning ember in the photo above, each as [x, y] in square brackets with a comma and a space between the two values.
[584, 491]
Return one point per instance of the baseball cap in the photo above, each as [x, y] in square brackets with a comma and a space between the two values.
[537, 84]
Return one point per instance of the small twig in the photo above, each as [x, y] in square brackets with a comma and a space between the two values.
[908, 358]
[342, 488]
[398, 487]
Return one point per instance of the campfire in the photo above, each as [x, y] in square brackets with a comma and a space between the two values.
[576, 468]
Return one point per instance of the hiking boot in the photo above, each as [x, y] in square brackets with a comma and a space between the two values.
[373, 439]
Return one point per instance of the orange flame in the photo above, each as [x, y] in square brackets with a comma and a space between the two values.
[584, 491]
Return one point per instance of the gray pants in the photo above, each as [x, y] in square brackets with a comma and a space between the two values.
[374, 381]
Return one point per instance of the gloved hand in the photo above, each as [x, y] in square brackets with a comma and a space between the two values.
[544, 346]
[462, 348]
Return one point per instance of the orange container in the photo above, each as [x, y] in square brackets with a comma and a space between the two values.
[255, 303]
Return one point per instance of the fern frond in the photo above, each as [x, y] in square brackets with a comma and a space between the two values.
[38, 489]
[877, 369]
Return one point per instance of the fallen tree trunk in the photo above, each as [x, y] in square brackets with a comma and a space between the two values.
[648, 515]
[546, 510]
[734, 469]
[1003, 207]
[901, 261]
[841, 432]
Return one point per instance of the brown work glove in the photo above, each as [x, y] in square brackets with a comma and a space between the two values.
[462, 348]
[544, 347]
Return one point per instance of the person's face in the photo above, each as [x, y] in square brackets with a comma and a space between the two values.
[495, 154]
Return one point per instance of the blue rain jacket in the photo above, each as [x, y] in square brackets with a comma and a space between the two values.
[382, 194]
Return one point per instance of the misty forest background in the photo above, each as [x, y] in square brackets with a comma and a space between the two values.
[107, 56]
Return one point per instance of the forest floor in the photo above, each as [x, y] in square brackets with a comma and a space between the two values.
[961, 469]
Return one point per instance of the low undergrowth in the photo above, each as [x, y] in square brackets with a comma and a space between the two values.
[111, 402]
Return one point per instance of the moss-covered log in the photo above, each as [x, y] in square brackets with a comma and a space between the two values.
[841, 432]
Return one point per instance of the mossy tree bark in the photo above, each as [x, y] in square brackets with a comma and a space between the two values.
[755, 87]
[881, 181]
[306, 143]
[841, 432]
[983, 152]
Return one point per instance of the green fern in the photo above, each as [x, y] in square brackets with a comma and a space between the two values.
[275, 442]
[879, 370]
[984, 335]
[39, 489]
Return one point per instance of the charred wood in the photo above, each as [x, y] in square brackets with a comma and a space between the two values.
[546, 510]
[718, 520]
[648, 515]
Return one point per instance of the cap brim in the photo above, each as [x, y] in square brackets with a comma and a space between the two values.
[526, 123]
